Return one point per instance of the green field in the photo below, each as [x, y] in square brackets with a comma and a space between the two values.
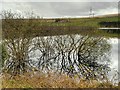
[93, 22]
[91, 25]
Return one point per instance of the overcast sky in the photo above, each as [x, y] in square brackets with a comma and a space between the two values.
[61, 9]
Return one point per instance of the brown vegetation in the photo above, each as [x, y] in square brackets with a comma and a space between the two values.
[51, 80]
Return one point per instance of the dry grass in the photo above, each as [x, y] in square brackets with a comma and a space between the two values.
[50, 80]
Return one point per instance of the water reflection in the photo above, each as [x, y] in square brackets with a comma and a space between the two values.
[113, 74]
[84, 56]
[114, 52]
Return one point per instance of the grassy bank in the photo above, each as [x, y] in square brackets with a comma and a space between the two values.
[51, 80]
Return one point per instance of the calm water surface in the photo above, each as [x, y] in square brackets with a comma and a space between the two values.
[50, 44]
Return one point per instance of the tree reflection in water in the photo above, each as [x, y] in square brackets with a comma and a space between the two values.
[84, 56]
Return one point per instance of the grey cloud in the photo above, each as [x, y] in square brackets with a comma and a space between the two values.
[81, 8]
[60, 0]
[60, 9]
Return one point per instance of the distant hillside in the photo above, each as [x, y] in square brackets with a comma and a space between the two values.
[109, 15]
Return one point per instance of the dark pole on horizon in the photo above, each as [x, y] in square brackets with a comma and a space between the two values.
[91, 13]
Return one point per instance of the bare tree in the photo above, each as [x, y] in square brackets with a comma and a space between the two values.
[16, 38]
